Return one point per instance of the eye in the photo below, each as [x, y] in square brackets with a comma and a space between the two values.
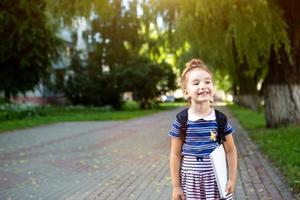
[208, 82]
[196, 83]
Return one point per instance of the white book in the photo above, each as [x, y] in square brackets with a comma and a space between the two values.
[219, 164]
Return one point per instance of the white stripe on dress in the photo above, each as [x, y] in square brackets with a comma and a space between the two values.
[198, 179]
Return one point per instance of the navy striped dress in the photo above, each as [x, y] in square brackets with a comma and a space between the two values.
[196, 172]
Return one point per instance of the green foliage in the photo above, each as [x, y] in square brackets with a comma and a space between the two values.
[66, 10]
[123, 37]
[222, 81]
[121, 40]
[2, 101]
[123, 31]
[130, 105]
[13, 112]
[228, 33]
[280, 145]
[27, 45]
[90, 86]
[146, 79]
[117, 29]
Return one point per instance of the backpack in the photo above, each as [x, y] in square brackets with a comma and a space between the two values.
[221, 119]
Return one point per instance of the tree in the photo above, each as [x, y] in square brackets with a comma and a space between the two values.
[27, 45]
[235, 37]
[89, 85]
[282, 83]
[255, 40]
[116, 39]
[146, 79]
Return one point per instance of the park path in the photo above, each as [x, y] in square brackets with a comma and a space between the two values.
[114, 160]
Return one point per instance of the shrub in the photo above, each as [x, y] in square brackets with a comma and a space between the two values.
[10, 111]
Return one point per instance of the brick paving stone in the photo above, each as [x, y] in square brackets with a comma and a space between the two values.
[115, 161]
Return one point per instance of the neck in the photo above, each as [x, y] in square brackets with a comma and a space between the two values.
[202, 109]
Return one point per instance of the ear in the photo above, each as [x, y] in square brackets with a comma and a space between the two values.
[186, 94]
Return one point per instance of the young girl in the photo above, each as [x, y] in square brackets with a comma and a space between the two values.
[191, 169]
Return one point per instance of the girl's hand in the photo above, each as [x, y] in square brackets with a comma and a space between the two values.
[230, 186]
[178, 194]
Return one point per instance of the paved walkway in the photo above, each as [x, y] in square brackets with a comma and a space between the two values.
[114, 160]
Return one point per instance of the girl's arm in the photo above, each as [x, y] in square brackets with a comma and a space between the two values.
[175, 161]
[232, 162]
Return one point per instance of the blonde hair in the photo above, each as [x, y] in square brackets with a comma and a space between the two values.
[195, 63]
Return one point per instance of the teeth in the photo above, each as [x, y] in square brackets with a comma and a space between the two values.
[202, 93]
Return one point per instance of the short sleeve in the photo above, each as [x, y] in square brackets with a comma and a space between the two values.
[175, 129]
[228, 129]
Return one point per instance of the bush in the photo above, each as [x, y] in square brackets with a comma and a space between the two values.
[130, 105]
[90, 86]
[14, 111]
[2, 101]
[146, 79]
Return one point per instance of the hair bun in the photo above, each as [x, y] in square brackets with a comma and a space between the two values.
[195, 62]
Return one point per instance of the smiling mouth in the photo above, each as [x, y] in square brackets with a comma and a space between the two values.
[203, 93]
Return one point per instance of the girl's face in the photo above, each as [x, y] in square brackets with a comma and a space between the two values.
[199, 86]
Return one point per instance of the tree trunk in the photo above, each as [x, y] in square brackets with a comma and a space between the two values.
[282, 103]
[282, 84]
[247, 94]
[245, 91]
[282, 91]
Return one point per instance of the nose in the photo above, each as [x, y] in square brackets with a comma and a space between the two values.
[201, 85]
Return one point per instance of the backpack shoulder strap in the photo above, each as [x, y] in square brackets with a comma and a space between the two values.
[182, 117]
[221, 123]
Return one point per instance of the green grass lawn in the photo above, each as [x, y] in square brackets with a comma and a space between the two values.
[281, 145]
[68, 114]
